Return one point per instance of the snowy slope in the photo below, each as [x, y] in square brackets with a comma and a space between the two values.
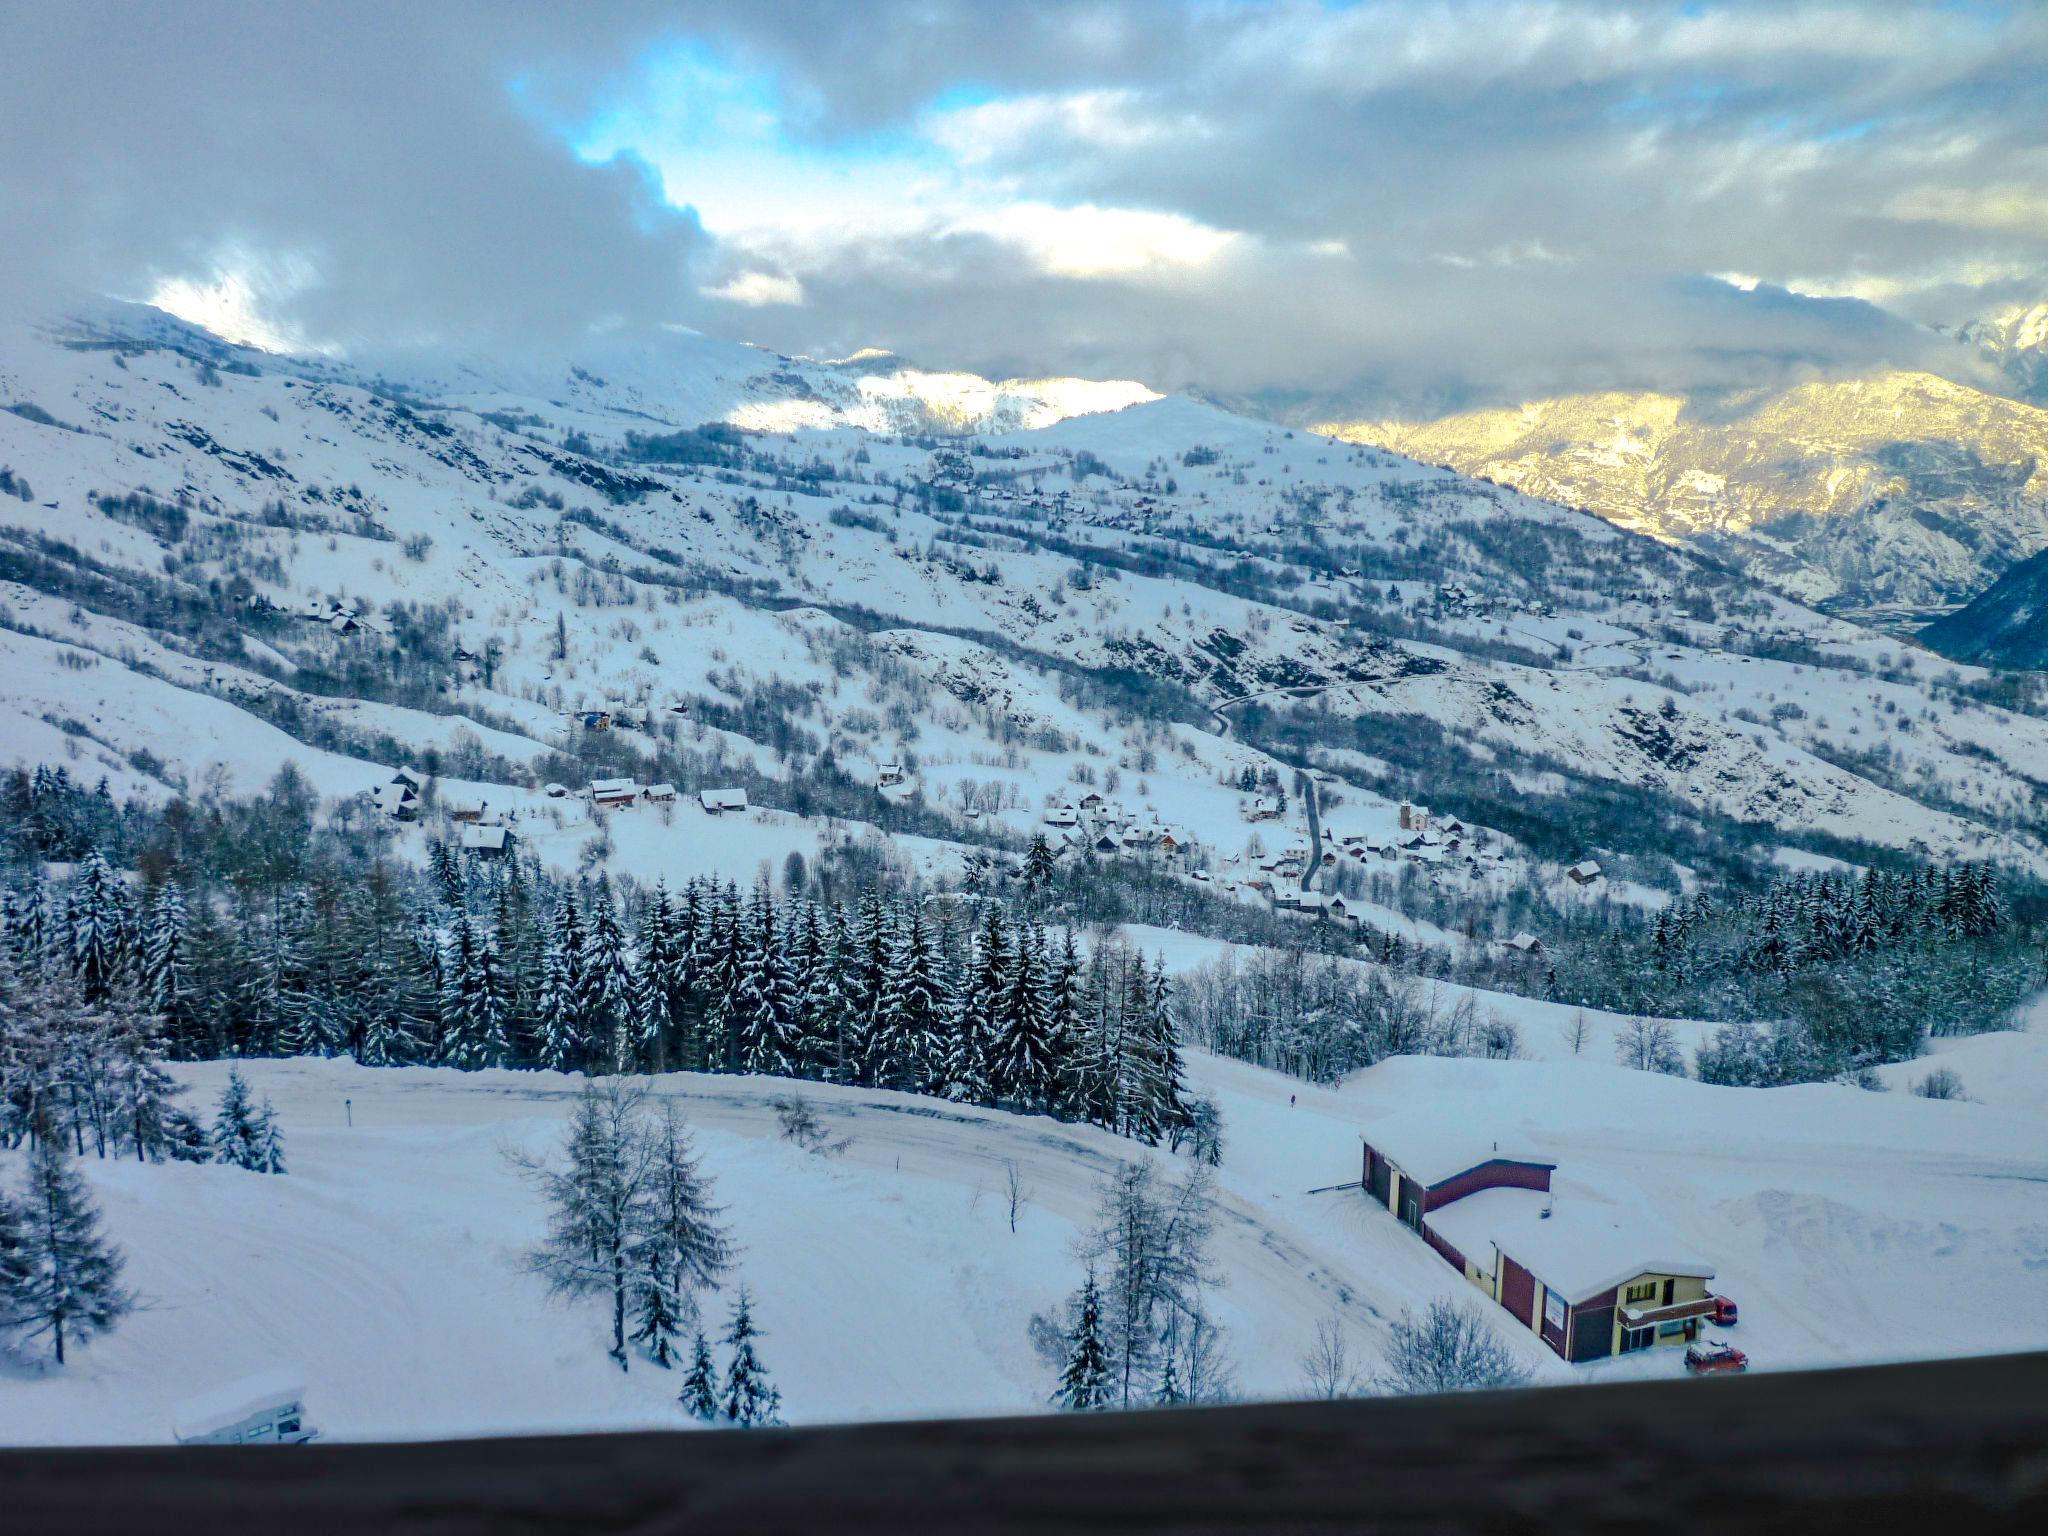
[385, 1267]
[891, 599]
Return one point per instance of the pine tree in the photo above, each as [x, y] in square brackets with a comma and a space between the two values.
[906, 1048]
[1021, 1062]
[562, 1046]
[238, 1126]
[67, 1275]
[749, 1399]
[676, 1231]
[606, 992]
[658, 1309]
[1085, 1380]
[700, 1386]
[98, 909]
[269, 1144]
[763, 1010]
[974, 1026]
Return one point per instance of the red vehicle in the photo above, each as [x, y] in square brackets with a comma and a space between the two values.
[1724, 1315]
[1711, 1359]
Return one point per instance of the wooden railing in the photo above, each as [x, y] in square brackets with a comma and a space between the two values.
[1951, 1446]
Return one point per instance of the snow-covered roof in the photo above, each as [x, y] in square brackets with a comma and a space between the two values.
[660, 791]
[1431, 1147]
[1580, 1250]
[492, 838]
[723, 799]
[610, 786]
[230, 1404]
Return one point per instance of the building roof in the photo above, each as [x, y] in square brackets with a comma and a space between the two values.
[492, 838]
[226, 1406]
[1580, 1250]
[723, 799]
[609, 786]
[1430, 1148]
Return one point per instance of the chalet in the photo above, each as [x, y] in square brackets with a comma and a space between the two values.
[1523, 943]
[1106, 842]
[1063, 816]
[596, 719]
[487, 842]
[1264, 808]
[1587, 1282]
[398, 801]
[888, 775]
[467, 810]
[1091, 801]
[1170, 841]
[1585, 872]
[613, 793]
[659, 794]
[555, 791]
[344, 624]
[716, 802]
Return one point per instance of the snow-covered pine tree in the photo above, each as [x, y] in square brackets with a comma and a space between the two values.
[237, 1125]
[1021, 1060]
[814, 972]
[475, 1002]
[607, 991]
[748, 1400]
[699, 1396]
[560, 1044]
[595, 1202]
[721, 966]
[68, 1275]
[165, 985]
[269, 1146]
[907, 1047]
[676, 1224]
[866, 980]
[98, 909]
[658, 1309]
[1085, 1381]
[974, 1019]
[764, 1005]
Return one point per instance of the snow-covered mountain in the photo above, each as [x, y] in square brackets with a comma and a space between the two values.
[2016, 338]
[1896, 491]
[1159, 603]
[2006, 626]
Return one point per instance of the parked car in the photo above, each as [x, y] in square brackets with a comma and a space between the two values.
[1705, 1359]
[1724, 1315]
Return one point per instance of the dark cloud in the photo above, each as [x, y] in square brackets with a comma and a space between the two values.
[1427, 204]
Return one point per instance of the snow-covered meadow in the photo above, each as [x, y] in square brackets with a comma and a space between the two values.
[386, 1266]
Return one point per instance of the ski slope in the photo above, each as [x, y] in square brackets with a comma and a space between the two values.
[385, 1267]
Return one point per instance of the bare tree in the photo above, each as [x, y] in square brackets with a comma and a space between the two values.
[1649, 1045]
[1450, 1348]
[1014, 1191]
[1576, 1031]
[1327, 1371]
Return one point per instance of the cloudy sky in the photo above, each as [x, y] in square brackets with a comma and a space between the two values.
[1306, 206]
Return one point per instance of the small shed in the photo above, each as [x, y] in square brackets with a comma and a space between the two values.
[265, 1409]
[659, 794]
[1585, 872]
[717, 802]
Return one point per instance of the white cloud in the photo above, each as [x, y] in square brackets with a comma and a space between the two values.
[755, 289]
[1092, 242]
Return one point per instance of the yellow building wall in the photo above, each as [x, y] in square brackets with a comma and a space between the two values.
[1683, 1288]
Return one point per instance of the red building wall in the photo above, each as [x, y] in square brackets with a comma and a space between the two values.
[1517, 1289]
[1502, 1173]
[1451, 1255]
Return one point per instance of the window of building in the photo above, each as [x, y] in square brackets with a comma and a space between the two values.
[1644, 1291]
